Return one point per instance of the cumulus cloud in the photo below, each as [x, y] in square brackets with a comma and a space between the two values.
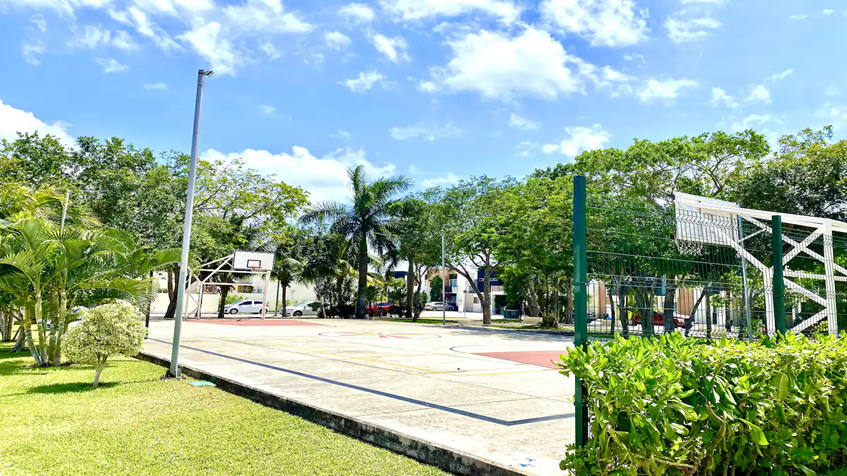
[365, 81]
[503, 67]
[31, 51]
[579, 139]
[357, 12]
[430, 132]
[336, 40]
[14, 120]
[683, 28]
[506, 11]
[520, 122]
[759, 94]
[721, 98]
[395, 49]
[782, 75]
[325, 178]
[603, 22]
[111, 65]
[666, 89]
[449, 179]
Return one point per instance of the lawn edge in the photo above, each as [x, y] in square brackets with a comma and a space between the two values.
[419, 449]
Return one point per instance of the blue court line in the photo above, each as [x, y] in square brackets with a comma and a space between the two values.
[422, 403]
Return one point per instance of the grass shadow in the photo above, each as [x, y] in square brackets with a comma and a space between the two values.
[75, 387]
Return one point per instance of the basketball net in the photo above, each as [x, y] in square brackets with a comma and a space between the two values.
[689, 247]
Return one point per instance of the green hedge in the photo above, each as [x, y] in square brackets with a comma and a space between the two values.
[677, 406]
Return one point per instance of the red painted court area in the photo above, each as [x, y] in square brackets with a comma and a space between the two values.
[541, 358]
[255, 322]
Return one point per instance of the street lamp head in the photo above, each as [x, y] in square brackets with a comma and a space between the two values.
[206, 73]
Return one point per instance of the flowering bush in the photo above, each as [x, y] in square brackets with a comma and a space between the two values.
[106, 330]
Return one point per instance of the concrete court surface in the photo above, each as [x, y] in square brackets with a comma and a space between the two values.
[488, 393]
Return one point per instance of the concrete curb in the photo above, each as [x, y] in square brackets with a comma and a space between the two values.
[427, 452]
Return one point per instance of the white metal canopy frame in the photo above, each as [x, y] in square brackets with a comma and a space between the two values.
[240, 262]
[722, 225]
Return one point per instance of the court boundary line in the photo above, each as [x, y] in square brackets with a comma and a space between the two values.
[414, 401]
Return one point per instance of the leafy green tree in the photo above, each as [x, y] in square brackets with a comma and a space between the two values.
[435, 288]
[107, 330]
[418, 242]
[469, 215]
[366, 222]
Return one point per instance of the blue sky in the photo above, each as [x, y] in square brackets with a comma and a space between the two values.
[436, 89]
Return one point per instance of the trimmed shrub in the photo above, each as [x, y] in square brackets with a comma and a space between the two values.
[106, 330]
[677, 406]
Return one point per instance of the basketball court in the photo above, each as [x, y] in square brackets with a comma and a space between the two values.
[495, 395]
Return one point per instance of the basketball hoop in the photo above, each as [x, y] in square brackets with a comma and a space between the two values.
[690, 248]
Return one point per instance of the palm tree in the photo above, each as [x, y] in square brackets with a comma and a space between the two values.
[366, 222]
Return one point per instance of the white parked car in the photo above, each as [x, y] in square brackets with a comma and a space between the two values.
[245, 307]
[438, 306]
[304, 308]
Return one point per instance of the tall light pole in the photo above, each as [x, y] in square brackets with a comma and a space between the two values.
[186, 231]
[443, 286]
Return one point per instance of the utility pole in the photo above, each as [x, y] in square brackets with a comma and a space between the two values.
[173, 372]
[443, 286]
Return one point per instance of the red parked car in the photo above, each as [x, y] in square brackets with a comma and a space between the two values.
[380, 308]
[659, 320]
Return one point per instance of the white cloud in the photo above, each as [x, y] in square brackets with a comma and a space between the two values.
[501, 67]
[684, 29]
[145, 27]
[156, 86]
[30, 52]
[753, 120]
[526, 148]
[828, 12]
[393, 48]
[520, 122]
[111, 65]
[834, 115]
[39, 21]
[782, 75]
[14, 120]
[357, 12]
[759, 94]
[336, 40]
[428, 132]
[91, 36]
[579, 139]
[324, 178]
[506, 11]
[449, 179]
[603, 22]
[365, 81]
[270, 50]
[342, 134]
[720, 97]
[664, 89]
[216, 48]
[123, 41]
[267, 110]
[798, 17]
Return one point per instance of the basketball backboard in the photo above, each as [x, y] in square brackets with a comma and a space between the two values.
[252, 260]
[705, 220]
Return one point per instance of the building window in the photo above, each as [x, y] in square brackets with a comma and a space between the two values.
[476, 300]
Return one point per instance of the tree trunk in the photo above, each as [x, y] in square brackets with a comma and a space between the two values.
[7, 321]
[532, 298]
[222, 303]
[611, 294]
[172, 283]
[624, 315]
[27, 325]
[98, 370]
[486, 296]
[690, 322]
[410, 290]
[670, 301]
[644, 303]
[708, 315]
[19, 341]
[570, 301]
[284, 301]
[278, 285]
[361, 312]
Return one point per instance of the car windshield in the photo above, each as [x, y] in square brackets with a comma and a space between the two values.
[236, 303]
[303, 304]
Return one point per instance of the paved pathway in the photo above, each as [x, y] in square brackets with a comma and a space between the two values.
[493, 394]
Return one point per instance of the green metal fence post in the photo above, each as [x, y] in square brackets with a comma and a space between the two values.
[581, 302]
[778, 281]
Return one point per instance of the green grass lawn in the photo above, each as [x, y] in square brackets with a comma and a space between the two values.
[53, 422]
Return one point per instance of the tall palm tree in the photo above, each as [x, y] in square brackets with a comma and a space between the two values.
[367, 222]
